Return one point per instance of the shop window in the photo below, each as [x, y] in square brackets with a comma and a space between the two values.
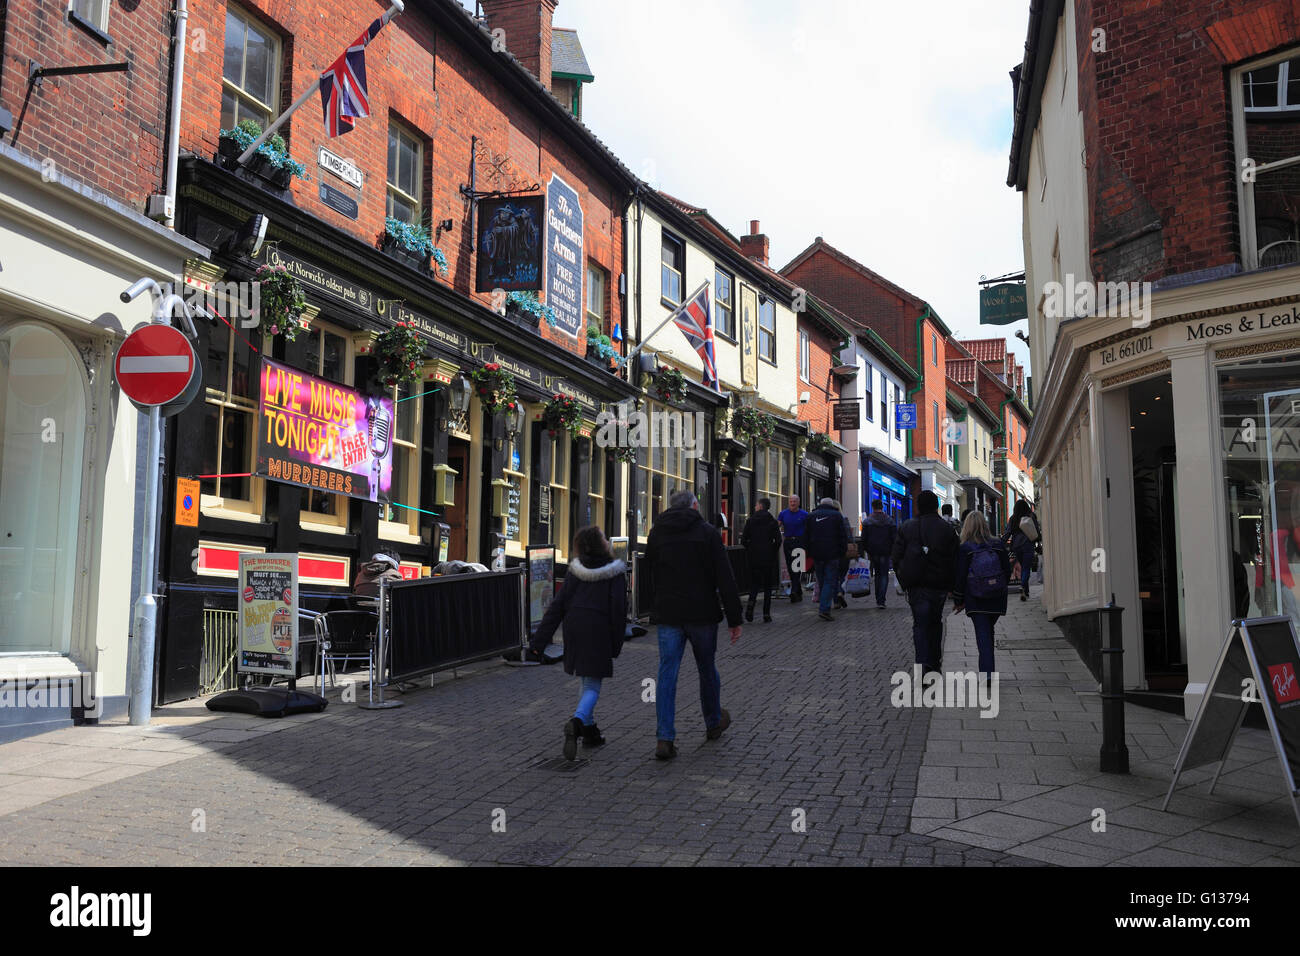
[323, 351]
[597, 281]
[772, 473]
[401, 517]
[561, 482]
[664, 470]
[1260, 429]
[596, 487]
[405, 174]
[250, 73]
[230, 376]
[1266, 98]
[672, 271]
[767, 329]
[724, 304]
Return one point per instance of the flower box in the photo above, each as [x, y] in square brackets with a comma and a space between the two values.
[404, 255]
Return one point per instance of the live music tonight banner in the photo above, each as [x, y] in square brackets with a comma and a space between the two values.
[319, 434]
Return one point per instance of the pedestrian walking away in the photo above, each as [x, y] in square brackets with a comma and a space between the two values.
[878, 534]
[1024, 538]
[592, 606]
[925, 559]
[827, 542]
[688, 575]
[762, 541]
[980, 588]
[793, 521]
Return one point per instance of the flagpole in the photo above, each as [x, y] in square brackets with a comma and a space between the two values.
[671, 315]
[397, 7]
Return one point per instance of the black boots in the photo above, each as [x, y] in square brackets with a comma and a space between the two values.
[591, 736]
[572, 728]
[749, 613]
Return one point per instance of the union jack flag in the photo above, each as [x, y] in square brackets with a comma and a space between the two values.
[696, 322]
[343, 92]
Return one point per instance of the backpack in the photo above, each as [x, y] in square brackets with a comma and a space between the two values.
[986, 578]
[1030, 530]
[917, 559]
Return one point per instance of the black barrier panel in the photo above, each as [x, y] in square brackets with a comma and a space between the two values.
[739, 559]
[436, 623]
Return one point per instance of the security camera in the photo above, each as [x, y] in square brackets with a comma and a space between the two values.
[139, 286]
[805, 398]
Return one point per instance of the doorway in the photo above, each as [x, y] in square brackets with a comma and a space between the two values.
[1155, 504]
[43, 414]
[456, 516]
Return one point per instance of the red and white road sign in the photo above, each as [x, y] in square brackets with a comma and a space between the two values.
[155, 364]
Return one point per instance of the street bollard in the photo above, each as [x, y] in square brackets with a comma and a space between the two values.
[1114, 751]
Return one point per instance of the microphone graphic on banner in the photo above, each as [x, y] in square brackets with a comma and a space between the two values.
[380, 425]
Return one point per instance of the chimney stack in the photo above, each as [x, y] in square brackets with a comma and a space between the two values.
[754, 245]
[527, 26]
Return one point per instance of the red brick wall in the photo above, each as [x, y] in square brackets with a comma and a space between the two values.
[823, 389]
[933, 389]
[446, 97]
[105, 130]
[1158, 126]
[527, 28]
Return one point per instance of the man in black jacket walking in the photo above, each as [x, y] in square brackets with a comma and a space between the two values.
[828, 541]
[689, 571]
[925, 559]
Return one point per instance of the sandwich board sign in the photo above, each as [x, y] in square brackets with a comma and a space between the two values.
[1259, 663]
[268, 614]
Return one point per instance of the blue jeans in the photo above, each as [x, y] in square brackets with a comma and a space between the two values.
[927, 625]
[984, 624]
[880, 577]
[703, 639]
[1026, 559]
[586, 711]
[828, 583]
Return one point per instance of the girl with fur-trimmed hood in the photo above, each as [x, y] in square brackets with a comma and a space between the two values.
[592, 605]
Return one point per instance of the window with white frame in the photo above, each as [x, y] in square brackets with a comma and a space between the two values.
[672, 271]
[773, 473]
[898, 432]
[724, 303]
[805, 370]
[884, 402]
[1266, 99]
[250, 72]
[92, 12]
[561, 482]
[870, 403]
[937, 446]
[767, 329]
[230, 377]
[405, 174]
[400, 518]
[664, 470]
[597, 279]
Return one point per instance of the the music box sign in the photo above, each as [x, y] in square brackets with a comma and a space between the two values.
[320, 434]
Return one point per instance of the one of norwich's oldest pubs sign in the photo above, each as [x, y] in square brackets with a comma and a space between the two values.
[319, 434]
[566, 264]
[509, 243]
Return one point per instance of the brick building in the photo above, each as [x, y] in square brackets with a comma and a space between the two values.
[81, 154]
[523, 211]
[1157, 491]
[911, 328]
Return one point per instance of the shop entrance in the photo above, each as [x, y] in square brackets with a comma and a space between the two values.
[43, 414]
[456, 516]
[1155, 505]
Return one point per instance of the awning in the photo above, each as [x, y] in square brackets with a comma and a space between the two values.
[982, 485]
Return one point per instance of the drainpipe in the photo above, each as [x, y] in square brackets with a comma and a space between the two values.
[174, 130]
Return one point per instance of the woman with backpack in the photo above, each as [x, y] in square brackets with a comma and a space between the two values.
[983, 575]
[592, 605]
[1024, 538]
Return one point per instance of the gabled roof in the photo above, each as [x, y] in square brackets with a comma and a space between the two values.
[961, 370]
[821, 245]
[567, 57]
[986, 350]
[876, 344]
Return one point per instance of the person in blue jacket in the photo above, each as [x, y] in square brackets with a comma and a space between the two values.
[983, 575]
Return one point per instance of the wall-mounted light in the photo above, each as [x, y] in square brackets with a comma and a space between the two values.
[459, 392]
[247, 239]
[518, 420]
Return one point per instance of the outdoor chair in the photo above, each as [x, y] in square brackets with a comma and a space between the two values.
[344, 637]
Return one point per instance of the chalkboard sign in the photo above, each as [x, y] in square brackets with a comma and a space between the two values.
[268, 614]
[1259, 663]
[513, 497]
[541, 582]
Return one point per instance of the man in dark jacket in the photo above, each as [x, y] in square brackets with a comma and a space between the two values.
[878, 541]
[689, 570]
[827, 544]
[762, 541]
[925, 559]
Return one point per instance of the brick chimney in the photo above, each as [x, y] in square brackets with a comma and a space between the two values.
[527, 26]
[754, 245]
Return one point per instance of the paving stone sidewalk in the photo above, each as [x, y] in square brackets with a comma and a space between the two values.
[1028, 782]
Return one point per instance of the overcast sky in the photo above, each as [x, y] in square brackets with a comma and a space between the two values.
[883, 127]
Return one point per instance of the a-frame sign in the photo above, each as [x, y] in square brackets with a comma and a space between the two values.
[1259, 663]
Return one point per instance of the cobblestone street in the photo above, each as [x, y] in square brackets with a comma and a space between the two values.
[814, 738]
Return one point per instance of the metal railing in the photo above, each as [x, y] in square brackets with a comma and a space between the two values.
[217, 670]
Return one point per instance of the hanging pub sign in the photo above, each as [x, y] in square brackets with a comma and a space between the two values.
[320, 434]
[509, 244]
[1003, 304]
[565, 259]
[268, 613]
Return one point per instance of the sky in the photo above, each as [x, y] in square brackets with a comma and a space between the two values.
[883, 127]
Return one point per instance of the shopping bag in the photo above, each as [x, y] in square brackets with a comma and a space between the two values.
[857, 580]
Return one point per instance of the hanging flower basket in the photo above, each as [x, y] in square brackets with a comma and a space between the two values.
[820, 444]
[411, 243]
[495, 388]
[281, 302]
[527, 305]
[400, 355]
[749, 424]
[562, 412]
[271, 161]
[601, 349]
[626, 455]
[669, 385]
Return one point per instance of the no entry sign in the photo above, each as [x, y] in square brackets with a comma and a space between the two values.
[156, 365]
